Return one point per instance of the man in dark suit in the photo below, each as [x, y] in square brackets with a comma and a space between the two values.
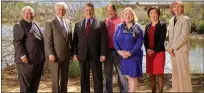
[90, 47]
[29, 51]
[58, 39]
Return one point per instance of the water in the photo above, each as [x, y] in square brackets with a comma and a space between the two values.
[197, 56]
[196, 59]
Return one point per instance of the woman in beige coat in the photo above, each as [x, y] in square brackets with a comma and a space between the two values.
[178, 47]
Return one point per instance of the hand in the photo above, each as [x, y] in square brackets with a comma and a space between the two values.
[121, 53]
[171, 52]
[51, 58]
[102, 58]
[75, 58]
[127, 54]
[24, 59]
[150, 51]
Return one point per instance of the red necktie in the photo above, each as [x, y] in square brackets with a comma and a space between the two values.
[88, 28]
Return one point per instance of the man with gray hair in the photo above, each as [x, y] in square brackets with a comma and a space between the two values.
[29, 51]
[58, 39]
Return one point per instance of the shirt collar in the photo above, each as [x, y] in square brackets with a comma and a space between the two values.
[179, 16]
[115, 17]
[60, 18]
[91, 20]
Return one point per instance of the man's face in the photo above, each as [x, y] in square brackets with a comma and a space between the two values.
[88, 12]
[110, 12]
[60, 11]
[28, 15]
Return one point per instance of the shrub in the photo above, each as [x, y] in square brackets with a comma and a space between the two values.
[201, 27]
[74, 70]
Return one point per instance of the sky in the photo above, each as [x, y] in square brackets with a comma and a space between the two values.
[99, 3]
[141, 1]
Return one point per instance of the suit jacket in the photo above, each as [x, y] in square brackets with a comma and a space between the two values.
[95, 44]
[159, 36]
[179, 34]
[55, 42]
[26, 44]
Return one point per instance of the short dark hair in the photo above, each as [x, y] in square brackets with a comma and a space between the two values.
[154, 7]
[89, 5]
[113, 6]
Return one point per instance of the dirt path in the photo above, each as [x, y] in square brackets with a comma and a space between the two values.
[11, 84]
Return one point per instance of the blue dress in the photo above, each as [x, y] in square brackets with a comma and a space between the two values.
[130, 40]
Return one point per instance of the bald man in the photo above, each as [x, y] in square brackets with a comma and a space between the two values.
[29, 51]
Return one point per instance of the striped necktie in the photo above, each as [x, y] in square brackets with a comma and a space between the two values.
[63, 28]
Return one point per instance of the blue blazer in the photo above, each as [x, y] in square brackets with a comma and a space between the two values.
[126, 41]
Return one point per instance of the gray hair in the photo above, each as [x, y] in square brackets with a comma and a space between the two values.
[27, 8]
[61, 4]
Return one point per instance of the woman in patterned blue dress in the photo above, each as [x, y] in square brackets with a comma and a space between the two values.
[128, 39]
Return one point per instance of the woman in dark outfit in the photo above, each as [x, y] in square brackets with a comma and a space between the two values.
[155, 33]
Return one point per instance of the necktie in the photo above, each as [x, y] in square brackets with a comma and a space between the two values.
[63, 28]
[175, 19]
[88, 28]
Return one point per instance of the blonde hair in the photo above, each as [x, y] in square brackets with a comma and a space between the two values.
[134, 14]
[175, 3]
[61, 4]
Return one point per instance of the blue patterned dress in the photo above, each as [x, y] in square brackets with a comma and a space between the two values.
[130, 40]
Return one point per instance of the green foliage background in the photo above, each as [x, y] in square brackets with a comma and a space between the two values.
[45, 11]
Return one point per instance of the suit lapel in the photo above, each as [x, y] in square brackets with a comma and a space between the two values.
[83, 29]
[40, 33]
[177, 22]
[171, 24]
[156, 31]
[149, 26]
[68, 25]
[92, 26]
[58, 26]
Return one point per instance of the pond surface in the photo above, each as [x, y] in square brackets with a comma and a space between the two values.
[196, 59]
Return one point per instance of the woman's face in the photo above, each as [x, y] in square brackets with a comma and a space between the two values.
[177, 9]
[153, 15]
[128, 16]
